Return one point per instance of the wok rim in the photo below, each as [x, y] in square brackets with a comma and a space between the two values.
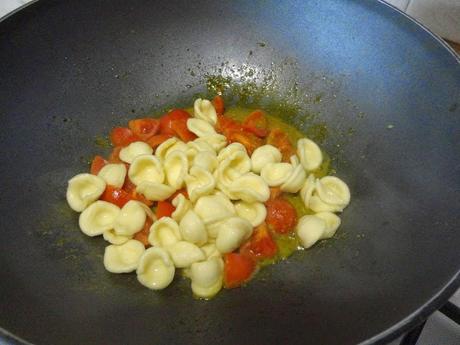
[406, 324]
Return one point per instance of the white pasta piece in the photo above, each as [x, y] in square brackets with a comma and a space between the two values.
[123, 258]
[214, 208]
[113, 174]
[192, 229]
[113, 238]
[275, 174]
[332, 223]
[204, 110]
[206, 160]
[310, 230]
[200, 128]
[232, 233]
[155, 270]
[131, 219]
[317, 205]
[155, 191]
[250, 188]
[333, 191]
[83, 189]
[210, 250]
[133, 150]
[216, 141]
[199, 182]
[176, 168]
[200, 145]
[182, 205]
[307, 190]
[295, 180]
[309, 153]
[263, 156]
[207, 277]
[183, 254]
[254, 212]
[229, 150]
[163, 148]
[231, 168]
[164, 233]
[146, 168]
[98, 217]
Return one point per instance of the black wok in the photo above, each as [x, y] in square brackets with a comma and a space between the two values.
[388, 90]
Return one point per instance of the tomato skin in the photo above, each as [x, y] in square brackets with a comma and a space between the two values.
[256, 123]
[97, 164]
[143, 235]
[225, 125]
[238, 269]
[164, 209]
[249, 140]
[122, 136]
[144, 128]
[158, 139]
[280, 140]
[115, 196]
[260, 245]
[167, 120]
[130, 188]
[281, 215]
[115, 155]
[219, 105]
[182, 131]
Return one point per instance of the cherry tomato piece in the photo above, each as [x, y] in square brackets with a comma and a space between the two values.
[281, 215]
[144, 128]
[238, 269]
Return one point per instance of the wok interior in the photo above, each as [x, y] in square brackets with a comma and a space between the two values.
[386, 90]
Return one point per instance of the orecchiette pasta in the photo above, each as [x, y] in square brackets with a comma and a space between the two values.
[263, 156]
[317, 205]
[210, 250]
[83, 189]
[164, 233]
[332, 223]
[164, 147]
[155, 269]
[131, 219]
[275, 174]
[113, 174]
[182, 205]
[133, 150]
[310, 229]
[146, 168]
[176, 168]
[229, 150]
[216, 141]
[333, 191]
[200, 128]
[155, 191]
[199, 182]
[192, 229]
[183, 254]
[207, 277]
[205, 160]
[113, 238]
[231, 234]
[309, 153]
[229, 193]
[214, 208]
[204, 110]
[123, 258]
[98, 217]
[250, 188]
[307, 190]
[254, 212]
[295, 180]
